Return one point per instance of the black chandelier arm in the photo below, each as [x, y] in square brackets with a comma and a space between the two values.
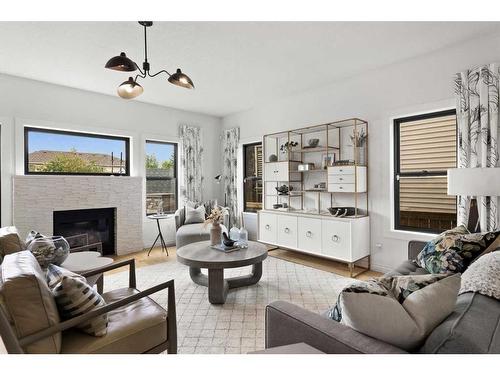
[143, 74]
[161, 71]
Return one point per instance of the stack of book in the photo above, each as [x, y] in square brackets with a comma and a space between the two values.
[224, 248]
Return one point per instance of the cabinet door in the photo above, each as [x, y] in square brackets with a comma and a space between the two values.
[276, 171]
[287, 231]
[336, 239]
[268, 227]
[309, 234]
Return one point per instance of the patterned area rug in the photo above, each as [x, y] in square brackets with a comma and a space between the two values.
[238, 325]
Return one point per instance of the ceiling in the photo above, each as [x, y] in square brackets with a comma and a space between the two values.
[234, 65]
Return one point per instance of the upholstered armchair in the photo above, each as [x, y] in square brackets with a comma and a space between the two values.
[30, 323]
[189, 233]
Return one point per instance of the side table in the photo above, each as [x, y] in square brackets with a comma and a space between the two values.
[159, 217]
[85, 261]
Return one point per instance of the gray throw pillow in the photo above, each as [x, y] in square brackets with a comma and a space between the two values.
[195, 215]
[400, 310]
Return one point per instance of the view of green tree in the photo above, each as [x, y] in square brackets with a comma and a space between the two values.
[152, 162]
[71, 163]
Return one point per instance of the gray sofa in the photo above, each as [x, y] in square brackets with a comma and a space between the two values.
[473, 327]
[189, 233]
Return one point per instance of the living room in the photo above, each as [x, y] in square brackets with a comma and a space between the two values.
[235, 188]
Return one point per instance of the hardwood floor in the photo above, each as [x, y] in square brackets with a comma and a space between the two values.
[157, 256]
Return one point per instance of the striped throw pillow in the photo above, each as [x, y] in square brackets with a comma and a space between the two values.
[55, 274]
[75, 297]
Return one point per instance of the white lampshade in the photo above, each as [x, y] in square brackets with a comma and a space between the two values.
[477, 182]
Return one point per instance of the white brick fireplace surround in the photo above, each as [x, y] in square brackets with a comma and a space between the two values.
[37, 197]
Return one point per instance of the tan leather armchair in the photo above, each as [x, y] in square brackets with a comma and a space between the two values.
[136, 323]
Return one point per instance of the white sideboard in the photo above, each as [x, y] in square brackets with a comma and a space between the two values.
[343, 239]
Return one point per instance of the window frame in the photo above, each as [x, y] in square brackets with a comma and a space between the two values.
[397, 166]
[245, 176]
[27, 130]
[176, 168]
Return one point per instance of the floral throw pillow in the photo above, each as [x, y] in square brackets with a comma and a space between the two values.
[454, 250]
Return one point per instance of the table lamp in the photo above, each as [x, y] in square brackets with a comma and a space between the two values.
[474, 182]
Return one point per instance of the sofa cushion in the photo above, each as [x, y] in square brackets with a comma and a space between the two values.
[74, 297]
[400, 310]
[10, 242]
[29, 301]
[473, 327]
[455, 249]
[192, 233]
[195, 215]
[134, 328]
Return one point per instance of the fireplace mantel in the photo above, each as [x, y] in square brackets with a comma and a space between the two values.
[37, 197]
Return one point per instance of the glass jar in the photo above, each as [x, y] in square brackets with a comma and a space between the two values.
[49, 250]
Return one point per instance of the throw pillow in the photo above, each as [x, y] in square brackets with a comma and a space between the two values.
[454, 250]
[483, 276]
[400, 310]
[75, 297]
[55, 275]
[195, 215]
[10, 242]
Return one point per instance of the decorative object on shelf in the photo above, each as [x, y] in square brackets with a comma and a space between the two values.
[49, 250]
[306, 167]
[277, 205]
[130, 88]
[343, 162]
[327, 161]
[321, 185]
[313, 142]
[227, 241]
[283, 189]
[288, 146]
[273, 158]
[243, 241]
[342, 211]
[215, 218]
[285, 205]
[358, 139]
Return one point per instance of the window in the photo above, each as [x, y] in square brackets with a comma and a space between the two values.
[425, 147]
[161, 177]
[69, 153]
[252, 178]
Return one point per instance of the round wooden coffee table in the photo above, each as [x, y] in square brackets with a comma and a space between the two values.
[199, 255]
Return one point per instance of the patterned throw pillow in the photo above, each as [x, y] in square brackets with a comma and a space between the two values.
[400, 310]
[75, 297]
[55, 275]
[454, 250]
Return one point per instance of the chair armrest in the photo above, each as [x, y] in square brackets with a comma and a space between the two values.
[290, 324]
[129, 262]
[70, 323]
[414, 248]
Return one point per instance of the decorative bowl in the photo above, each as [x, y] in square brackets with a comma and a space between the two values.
[277, 205]
[49, 250]
[313, 142]
[273, 158]
[341, 211]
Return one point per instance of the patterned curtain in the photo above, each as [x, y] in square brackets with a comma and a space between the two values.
[477, 95]
[191, 151]
[230, 140]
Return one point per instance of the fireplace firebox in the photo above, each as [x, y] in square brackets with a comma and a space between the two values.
[96, 226]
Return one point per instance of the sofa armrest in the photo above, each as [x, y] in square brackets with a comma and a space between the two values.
[289, 324]
[178, 217]
[414, 248]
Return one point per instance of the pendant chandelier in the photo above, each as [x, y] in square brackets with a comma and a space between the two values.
[131, 88]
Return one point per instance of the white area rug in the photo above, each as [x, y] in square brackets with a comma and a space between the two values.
[238, 325]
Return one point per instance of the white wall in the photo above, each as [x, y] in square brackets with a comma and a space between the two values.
[418, 85]
[29, 102]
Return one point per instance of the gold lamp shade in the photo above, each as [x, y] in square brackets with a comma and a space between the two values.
[129, 89]
[181, 79]
[121, 63]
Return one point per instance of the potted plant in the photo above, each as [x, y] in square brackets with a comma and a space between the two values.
[215, 218]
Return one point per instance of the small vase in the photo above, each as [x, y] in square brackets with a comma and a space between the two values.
[215, 234]
[360, 156]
